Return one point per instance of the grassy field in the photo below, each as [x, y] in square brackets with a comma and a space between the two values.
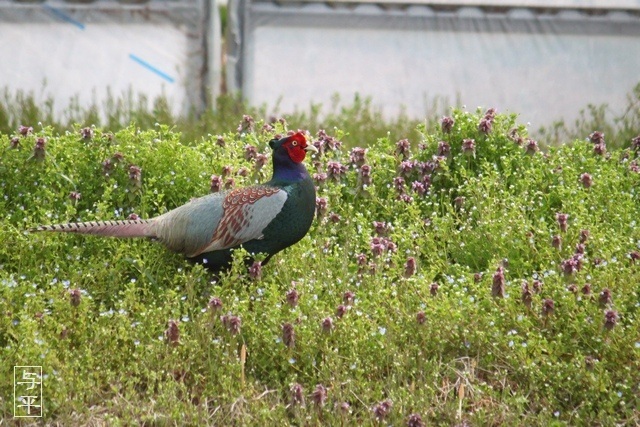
[461, 276]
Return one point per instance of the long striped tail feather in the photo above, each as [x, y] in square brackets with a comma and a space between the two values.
[120, 228]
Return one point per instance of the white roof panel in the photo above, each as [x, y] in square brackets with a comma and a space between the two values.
[546, 4]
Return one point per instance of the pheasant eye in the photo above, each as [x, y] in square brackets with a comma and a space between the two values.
[294, 143]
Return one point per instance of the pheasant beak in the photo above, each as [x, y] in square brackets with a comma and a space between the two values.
[311, 148]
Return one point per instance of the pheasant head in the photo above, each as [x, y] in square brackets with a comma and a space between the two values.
[288, 154]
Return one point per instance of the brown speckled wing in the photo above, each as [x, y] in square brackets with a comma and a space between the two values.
[246, 212]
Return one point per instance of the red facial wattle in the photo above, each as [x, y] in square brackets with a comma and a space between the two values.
[296, 147]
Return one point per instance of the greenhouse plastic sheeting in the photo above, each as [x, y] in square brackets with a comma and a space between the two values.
[79, 54]
[543, 64]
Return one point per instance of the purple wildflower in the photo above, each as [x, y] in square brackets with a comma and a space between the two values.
[345, 408]
[361, 259]
[377, 246]
[537, 286]
[341, 311]
[381, 228]
[348, 297]
[335, 170]
[421, 317]
[586, 180]
[229, 183]
[319, 178]
[485, 125]
[410, 267]
[437, 163]
[446, 124]
[327, 141]
[86, 133]
[135, 175]
[292, 297]
[250, 152]
[246, 125]
[548, 307]
[382, 409]
[234, 323]
[399, 184]
[357, 156]
[469, 147]
[172, 333]
[419, 188]
[605, 297]
[319, 395]
[365, 175]
[433, 289]
[572, 265]
[597, 137]
[531, 146]
[600, 149]
[321, 207]
[255, 271]
[444, 149]
[497, 288]
[402, 148]
[406, 166]
[75, 295]
[297, 395]
[415, 420]
[288, 335]
[39, 150]
[261, 160]
[327, 324]
[107, 167]
[526, 296]
[562, 218]
[215, 305]
[584, 235]
[405, 198]
[610, 319]
[25, 130]
[216, 183]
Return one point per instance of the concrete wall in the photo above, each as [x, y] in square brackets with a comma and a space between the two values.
[85, 51]
[543, 63]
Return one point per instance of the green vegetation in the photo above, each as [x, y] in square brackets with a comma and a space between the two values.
[364, 123]
[450, 289]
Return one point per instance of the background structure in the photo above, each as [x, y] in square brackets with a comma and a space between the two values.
[543, 59]
[83, 51]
